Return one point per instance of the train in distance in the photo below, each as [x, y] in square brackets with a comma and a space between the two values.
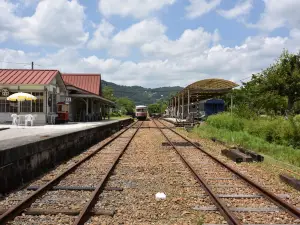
[141, 112]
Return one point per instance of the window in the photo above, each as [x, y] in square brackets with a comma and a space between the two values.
[38, 104]
[141, 110]
[2, 105]
[12, 107]
[8, 106]
[25, 106]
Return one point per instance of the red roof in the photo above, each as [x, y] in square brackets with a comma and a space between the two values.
[26, 76]
[88, 82]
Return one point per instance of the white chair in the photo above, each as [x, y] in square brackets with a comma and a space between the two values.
[14, 119]
[29, 118]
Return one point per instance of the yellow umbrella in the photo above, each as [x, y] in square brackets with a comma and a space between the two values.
[21, 97]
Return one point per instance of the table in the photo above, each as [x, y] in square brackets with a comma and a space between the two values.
[19, 119]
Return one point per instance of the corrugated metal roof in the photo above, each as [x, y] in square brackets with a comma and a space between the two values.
[87, 82]
[26, 76]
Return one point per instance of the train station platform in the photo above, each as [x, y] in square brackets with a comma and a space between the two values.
[27, 152]
[11, 135]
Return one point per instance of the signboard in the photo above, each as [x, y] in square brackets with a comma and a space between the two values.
[68, 100]
[4, 92]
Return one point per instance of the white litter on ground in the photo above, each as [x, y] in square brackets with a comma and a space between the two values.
[160, 196]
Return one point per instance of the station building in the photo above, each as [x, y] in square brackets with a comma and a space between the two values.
[81, 91]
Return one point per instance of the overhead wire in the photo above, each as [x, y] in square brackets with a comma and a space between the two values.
[16, 62]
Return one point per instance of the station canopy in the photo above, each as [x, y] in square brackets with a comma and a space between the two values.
[205, 89]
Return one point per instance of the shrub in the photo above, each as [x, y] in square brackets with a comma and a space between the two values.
[226, 121]
[279, 152]
[243, 111]
[116, 114]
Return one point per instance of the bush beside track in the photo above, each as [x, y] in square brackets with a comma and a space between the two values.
[276, 136]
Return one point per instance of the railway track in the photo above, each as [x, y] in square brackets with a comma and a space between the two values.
[239, 199]
[69, 187]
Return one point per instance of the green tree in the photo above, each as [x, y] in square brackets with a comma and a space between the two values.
[126, 105]
[271, 91]
[158, 107]
[108, 93]
[283, 78]
[153, 108]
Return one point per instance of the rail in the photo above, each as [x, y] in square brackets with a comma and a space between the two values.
[292, 210]
[224, 210]
[16, 210]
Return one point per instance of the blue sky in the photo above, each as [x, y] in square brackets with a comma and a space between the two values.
[149, 43]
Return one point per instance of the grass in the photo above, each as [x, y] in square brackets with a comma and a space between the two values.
[119, 117]
[260, 136]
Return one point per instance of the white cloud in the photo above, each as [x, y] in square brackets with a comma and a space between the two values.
[240, 9]
[134, 36]
[139, 33]
[55, 24]
[8, 21]
[150, 36]
[197, 8]
[217, 61]
[101, 37]
[59, 24]
[190, 43]
[134, 8]
[279, 14]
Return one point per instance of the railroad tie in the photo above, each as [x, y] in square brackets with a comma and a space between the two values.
[239, 209]
[293, 182]
[76, 188]
[37, 212]
[243, 196]
[250, 224]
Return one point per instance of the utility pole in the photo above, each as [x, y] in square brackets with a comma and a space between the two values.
[32, 65]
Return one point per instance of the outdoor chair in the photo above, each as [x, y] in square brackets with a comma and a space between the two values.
[29, 119]
[14, 119]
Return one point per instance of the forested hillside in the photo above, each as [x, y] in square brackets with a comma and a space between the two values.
[140, 95]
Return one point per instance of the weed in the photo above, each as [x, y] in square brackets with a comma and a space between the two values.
[200, 220]
[243, 138]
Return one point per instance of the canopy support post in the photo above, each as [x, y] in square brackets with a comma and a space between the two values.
[182, 106]
[175, 108]
[188, 102]
[178, 108]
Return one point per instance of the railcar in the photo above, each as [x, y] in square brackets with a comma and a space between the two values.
[141, 112]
